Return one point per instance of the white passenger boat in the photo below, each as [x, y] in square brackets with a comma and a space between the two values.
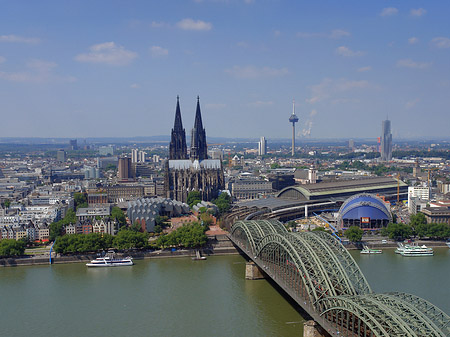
[108, 261]
[367, 250]
[448, 244]
[408, 250]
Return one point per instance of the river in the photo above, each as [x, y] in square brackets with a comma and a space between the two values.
[181, 297]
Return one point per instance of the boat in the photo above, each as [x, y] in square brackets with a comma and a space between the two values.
[367, 250]
[448, 244]
[409, 250]
[109, 260]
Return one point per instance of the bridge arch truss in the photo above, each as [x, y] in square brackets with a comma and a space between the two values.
[318, 273]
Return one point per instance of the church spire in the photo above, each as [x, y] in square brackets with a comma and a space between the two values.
[178, 148]
[198, 136]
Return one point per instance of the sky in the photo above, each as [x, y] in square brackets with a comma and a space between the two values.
[114, 68]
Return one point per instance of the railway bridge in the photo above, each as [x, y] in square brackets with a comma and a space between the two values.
[316, 271]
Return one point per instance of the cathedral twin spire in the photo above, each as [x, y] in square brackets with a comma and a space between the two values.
[178, 148]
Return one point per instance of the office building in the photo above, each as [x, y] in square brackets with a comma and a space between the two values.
[386, 141]
[262, 146]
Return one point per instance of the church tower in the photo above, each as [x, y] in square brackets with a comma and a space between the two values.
[178, 149]
[199, 148]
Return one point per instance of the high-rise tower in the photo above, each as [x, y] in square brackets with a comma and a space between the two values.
[199, 148]
[178, 149]
[293, 119]
[386, 140]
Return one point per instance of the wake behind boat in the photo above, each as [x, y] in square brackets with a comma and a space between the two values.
[110, 261]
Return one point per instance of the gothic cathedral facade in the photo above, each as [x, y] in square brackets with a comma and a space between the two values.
[194, 172]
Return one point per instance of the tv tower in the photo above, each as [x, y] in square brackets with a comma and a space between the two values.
[293, 119]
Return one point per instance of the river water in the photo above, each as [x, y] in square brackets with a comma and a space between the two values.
[181, 297]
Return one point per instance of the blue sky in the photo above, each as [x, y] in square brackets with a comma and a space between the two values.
[114, 68]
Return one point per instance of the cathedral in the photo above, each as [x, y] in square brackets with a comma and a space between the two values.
[194, 172]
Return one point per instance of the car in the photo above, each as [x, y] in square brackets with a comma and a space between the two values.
[383, 241]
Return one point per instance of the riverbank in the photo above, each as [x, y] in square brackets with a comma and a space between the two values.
[217, 245]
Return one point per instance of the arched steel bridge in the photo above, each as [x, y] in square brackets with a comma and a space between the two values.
[317, 271]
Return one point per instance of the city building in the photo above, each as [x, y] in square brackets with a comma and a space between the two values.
[437, 214]
[134, 155]
[351, 145]
[144, 211]
[366, 211]
[61, 156]
[418, 197]
[198, 173]
[120, 193]
[262, 146]
[250, 188]
[106, 150]
[73, 145]
[386, 141]
[90, 213]
[124, 169]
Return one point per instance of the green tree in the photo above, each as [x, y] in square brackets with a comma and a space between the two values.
[398, 231]
[223, 203]
[11, 247]
[118, 215]
[193, 198]
[128, 239]
[80, 200]
[354, 234]
[7, 203]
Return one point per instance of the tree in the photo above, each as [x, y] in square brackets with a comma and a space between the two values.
[80, 200]
[118, 215]
[398, 231]
[223, 203]
[7, 203]
[193, 198]
[11, 247]
[128, 239]
[354, 234]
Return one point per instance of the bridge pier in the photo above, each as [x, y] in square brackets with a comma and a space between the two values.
[252, 272]
[312, 329]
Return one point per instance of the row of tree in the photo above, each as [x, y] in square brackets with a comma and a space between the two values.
[82, 243]
[188, 236]
[11, 247]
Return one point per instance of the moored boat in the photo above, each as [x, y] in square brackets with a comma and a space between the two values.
[408, 250]
[110, 261]
[367, 250]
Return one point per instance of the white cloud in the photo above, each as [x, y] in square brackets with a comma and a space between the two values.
[135, 86]
[364, 69]
[389, 11]
[38, 72]
[329, 88]
[2, 59]
[412, 104]
[408, 63]
[413, 40]
[334, 34]
[107, 53]
[199, 25]
[157, 51]
[19, 39]
[338, 33]
[418, 12]
[259, 104]
[441, 42]
[252, 72]
[347, 52]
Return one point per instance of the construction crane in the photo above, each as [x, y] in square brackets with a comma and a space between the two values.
[429, 174]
